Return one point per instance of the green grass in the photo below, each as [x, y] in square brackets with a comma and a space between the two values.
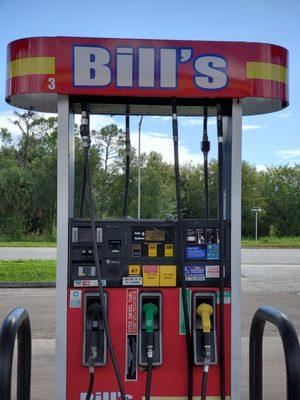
[27, 270]
[263, 242]
[40, 241]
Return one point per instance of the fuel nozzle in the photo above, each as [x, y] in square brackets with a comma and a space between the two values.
[205, 311]
[94, 312]
[150, 310]
[205, 143]
[85, 126]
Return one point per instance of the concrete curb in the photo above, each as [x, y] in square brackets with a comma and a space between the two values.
[14, 285]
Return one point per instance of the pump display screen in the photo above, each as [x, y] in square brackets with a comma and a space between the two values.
[155, 235]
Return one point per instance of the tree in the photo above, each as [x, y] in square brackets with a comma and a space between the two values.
[109, 139]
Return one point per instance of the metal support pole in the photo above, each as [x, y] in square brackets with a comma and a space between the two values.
[65, 207]
[236, 186]
[256, 227]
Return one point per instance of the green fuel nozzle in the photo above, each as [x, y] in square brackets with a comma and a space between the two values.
[150, 310]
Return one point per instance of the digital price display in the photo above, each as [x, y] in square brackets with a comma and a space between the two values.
[155, 235]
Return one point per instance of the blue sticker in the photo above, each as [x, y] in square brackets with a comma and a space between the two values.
[213, 251]
[194, 272]
[195, 252]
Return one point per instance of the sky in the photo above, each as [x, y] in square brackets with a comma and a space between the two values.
[268, 140]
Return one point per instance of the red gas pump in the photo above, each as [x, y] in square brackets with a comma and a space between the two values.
[148, 308]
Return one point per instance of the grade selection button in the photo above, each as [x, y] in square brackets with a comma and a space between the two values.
[167, 275]
[152, 250]
[150, 275]
[169, 250]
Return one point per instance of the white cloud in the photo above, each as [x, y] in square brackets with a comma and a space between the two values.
[155, 141]
[247, 127]
[288, 154]
[188, 121]
[261, 167]
[161, 118]
[98, 121]
[284, 114]
[6, 118]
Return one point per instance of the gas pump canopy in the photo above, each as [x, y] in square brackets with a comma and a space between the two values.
[146, 74]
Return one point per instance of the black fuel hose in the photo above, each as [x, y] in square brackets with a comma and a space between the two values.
[87, 185]
[205, 147]
[149, 378]
[91, 386]
[98, 273]
[127, 162]
[180, 247]
[203, 385]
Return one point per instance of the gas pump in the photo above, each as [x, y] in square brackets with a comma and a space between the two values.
[145, 307]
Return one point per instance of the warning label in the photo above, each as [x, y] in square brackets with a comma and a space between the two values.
[75, 299]
[131, 334]
[132, 305]
[227, 298]
[212, 271]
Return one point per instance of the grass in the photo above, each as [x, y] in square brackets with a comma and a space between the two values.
[27, 271]
[41, 241]
[274, 242]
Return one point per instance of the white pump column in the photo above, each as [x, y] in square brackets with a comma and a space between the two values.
[65, 210]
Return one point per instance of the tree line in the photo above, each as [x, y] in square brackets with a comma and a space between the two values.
[28, 183]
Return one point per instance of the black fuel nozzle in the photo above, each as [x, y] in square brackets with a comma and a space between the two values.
[94, 312]
[205, 143]
[85, 125]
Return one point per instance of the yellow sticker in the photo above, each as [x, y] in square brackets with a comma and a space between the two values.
[152, 250]
[134, 269]
[169, 252]
[150, 275]
[167, 275]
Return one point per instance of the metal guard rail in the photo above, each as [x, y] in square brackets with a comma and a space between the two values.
[291, 349]
[16, 324]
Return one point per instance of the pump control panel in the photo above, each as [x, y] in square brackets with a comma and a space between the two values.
[144, 253]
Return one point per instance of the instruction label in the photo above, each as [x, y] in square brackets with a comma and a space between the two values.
[213, 251]
[182, 330]
[194, 272]
[132, 281]
[195, 252]
[131, 334]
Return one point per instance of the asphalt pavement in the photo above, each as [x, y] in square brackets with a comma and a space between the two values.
[26, 253]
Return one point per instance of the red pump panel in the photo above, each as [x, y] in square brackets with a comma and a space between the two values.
[168, 380]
